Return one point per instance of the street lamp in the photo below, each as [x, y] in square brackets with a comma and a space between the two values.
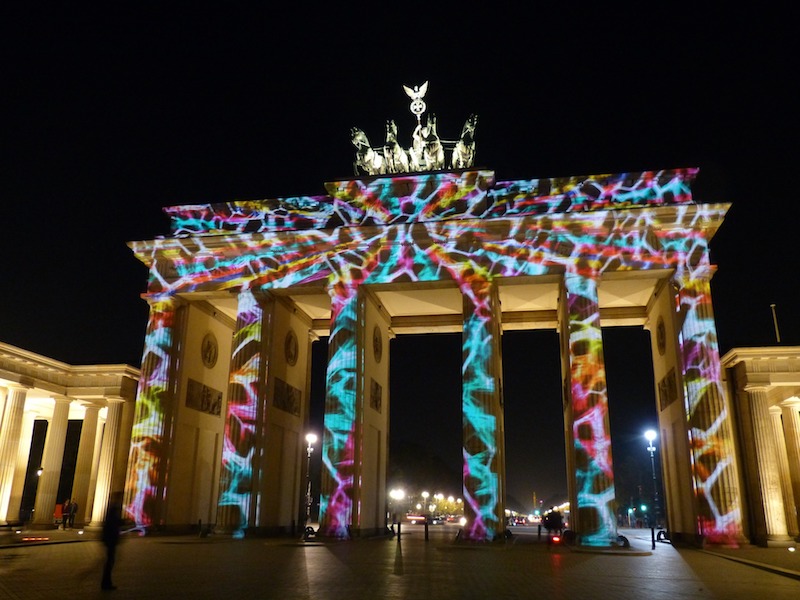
[311, 438]
[397, 495]
[650, 436]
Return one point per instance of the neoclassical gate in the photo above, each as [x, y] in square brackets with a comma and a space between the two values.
[239, 291]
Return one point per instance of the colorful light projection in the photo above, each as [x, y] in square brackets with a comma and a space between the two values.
[589, 397]
[527, 235]
[435, 197]
[481, 409]
[243, 411]
[148, 462]
[339, 439]
[711, 435]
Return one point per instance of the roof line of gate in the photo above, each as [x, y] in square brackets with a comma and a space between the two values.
[437, 196]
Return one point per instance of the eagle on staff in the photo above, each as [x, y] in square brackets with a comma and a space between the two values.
[417, 103]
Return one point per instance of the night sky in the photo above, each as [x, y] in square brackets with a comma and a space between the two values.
[114, 111]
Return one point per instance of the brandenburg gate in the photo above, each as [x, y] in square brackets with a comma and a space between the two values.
[239, 291]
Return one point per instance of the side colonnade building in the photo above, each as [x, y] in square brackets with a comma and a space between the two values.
[34, 388]
[763, 385]
[240, 290]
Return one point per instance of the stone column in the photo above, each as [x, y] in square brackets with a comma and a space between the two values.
[120, 466]
[791, 427]
[482, 412]
[21, 471]
[245, 412]
[339, 437]
[83, 465]
[9, 447]
[52, 459]
[593, 517]
[3, 398]
[782, 462]
[105, 469]
[768, 471]
[715, 472]
[98, 443]
[152, 431]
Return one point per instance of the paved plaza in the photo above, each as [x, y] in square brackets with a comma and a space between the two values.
[524, 567]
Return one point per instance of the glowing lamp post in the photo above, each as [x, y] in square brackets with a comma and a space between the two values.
[397, 496]
[650, 436]
[311, 439]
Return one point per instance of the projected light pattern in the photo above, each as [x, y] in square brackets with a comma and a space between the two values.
[307, 212]
[590, 429]
[154, 405]
[239, 445]
[463, 249]
[711, 435]
[481, 484]
[338, 444]
[435, 197]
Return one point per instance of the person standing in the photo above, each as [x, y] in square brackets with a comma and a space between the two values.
[73, 510]
[111, 527]
[65, 514]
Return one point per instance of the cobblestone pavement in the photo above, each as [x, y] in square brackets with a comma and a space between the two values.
[218, 567]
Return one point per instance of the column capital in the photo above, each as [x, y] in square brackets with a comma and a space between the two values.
[584, 271]
[793, 402]
[158, 298]
[685, 276]
[92, 406]
[24, 384]
[258, 294]
[755, 387]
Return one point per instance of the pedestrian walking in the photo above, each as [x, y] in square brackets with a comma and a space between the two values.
[111, 527]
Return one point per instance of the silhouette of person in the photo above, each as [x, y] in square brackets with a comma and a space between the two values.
[111, 527]
[73, 510]
[65, 514]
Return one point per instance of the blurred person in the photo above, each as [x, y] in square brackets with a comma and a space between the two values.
[65, 514]
[73, 510]
[111, 527]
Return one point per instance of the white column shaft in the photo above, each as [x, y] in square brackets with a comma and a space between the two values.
[9, 447]
[98, 439]
[783, 469]
[106, 466]
[791, 428]
[83, 465]
[768, 473]
[21, 472]
[51, 463]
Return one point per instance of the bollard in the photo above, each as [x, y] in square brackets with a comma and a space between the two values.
[426, 530]
[653, 537]
[398, 531]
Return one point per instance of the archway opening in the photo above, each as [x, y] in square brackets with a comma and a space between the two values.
[534, 421]
[632, 411]
[425, 428]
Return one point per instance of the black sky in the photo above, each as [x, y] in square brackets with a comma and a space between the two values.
[113, 111]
